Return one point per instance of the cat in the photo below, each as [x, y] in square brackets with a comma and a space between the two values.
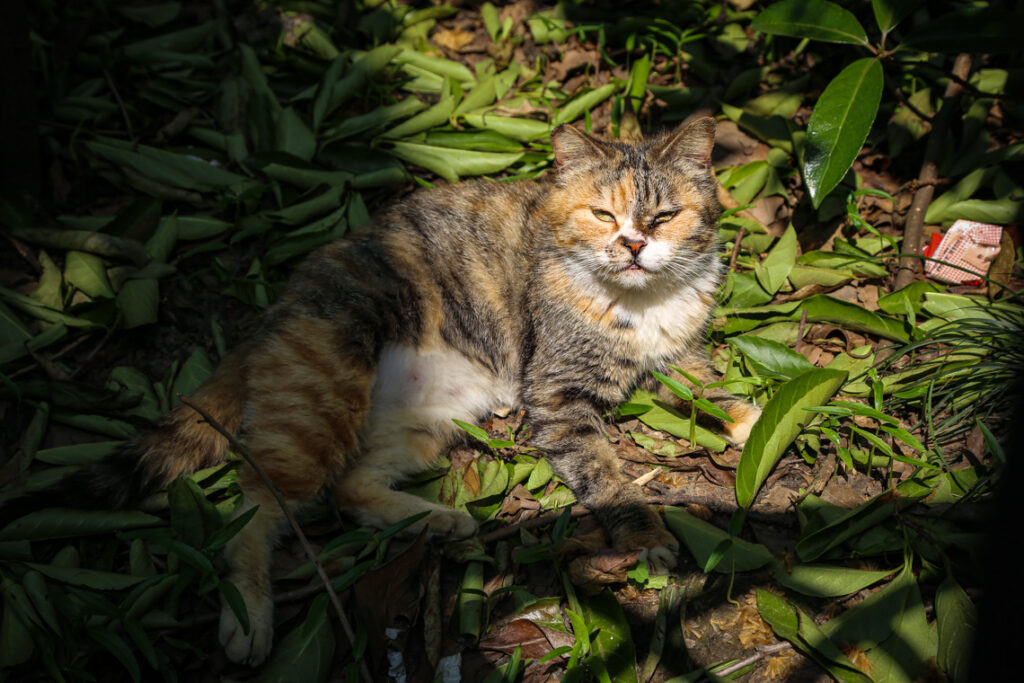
[559, 296]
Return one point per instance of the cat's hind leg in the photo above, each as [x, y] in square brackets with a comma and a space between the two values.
[307, 404]
[393, 452]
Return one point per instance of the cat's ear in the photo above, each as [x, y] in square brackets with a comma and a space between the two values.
[693, 142]
[573, 148]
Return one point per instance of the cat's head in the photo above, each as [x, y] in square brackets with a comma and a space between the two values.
[636, 215]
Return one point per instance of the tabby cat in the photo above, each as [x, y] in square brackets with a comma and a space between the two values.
[558, 296]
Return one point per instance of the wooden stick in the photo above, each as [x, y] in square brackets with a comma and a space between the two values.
[237, 446]
[910, 261]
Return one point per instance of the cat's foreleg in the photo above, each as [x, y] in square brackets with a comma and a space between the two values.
[393, 452]
[581, 455]
[743, 413]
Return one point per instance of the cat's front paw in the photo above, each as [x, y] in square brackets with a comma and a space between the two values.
[658, 548]
[253, 647]
[451, 524]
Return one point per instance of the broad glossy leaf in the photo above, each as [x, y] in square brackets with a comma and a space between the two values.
[613, 644]
[825, 581]
[306, 653]
[87, 272]
[782, 419]
[790, 623]
[892, 625]
[815, 19]
[702, 538]
[449, 163]
[888, 13]
[839, 124]
[772, 272]
[770, 357]
[957, 618]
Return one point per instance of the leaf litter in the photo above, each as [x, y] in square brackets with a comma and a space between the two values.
[236, 160]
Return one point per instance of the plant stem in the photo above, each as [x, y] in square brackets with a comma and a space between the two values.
[237, 446]
[910, 261]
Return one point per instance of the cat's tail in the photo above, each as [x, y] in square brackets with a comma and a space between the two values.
[179, 443]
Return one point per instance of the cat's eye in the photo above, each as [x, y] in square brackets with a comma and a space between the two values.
[665, 216]
[605, 216]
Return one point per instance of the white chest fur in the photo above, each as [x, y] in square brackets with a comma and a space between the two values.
[429, 387]
[661, 329]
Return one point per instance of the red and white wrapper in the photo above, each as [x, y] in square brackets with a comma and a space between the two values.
[967, 245]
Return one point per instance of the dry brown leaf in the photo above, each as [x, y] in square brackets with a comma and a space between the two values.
[591, 573]
[454, 39]
[535, 640]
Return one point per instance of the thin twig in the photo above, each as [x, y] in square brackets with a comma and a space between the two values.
[759, 655]
[910, 261]
[120, 104]
[237, 446]
[800, 331]
[736, 249]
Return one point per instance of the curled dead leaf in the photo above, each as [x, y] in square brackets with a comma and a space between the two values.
[591, 573]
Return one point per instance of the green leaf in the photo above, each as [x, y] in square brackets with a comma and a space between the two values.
[98, 243]
[892, 625]
[613, 644]
[437, 115]
[571, 110]
[87, 273]
[138, 301]
[294, 136]
[702, 539]
[826, 581]
[77, 454]
[782, 419]
[470, 601]
[445, 68]
[62, 523]
[888, 13]
[476, 432]
[772, 272]
[839, 124]
[792, 624]
[115, 644]
[815, 19]
[957, 620]
[518, 129]
[90, 578]
[770, 358]
[452, 163]
[196, 370]
[662, 416]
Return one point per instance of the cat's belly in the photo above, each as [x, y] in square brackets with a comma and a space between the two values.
[430, 387]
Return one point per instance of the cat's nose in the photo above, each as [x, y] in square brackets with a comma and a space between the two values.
[634, 245]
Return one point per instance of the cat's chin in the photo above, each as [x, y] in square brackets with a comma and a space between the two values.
[633, 277]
